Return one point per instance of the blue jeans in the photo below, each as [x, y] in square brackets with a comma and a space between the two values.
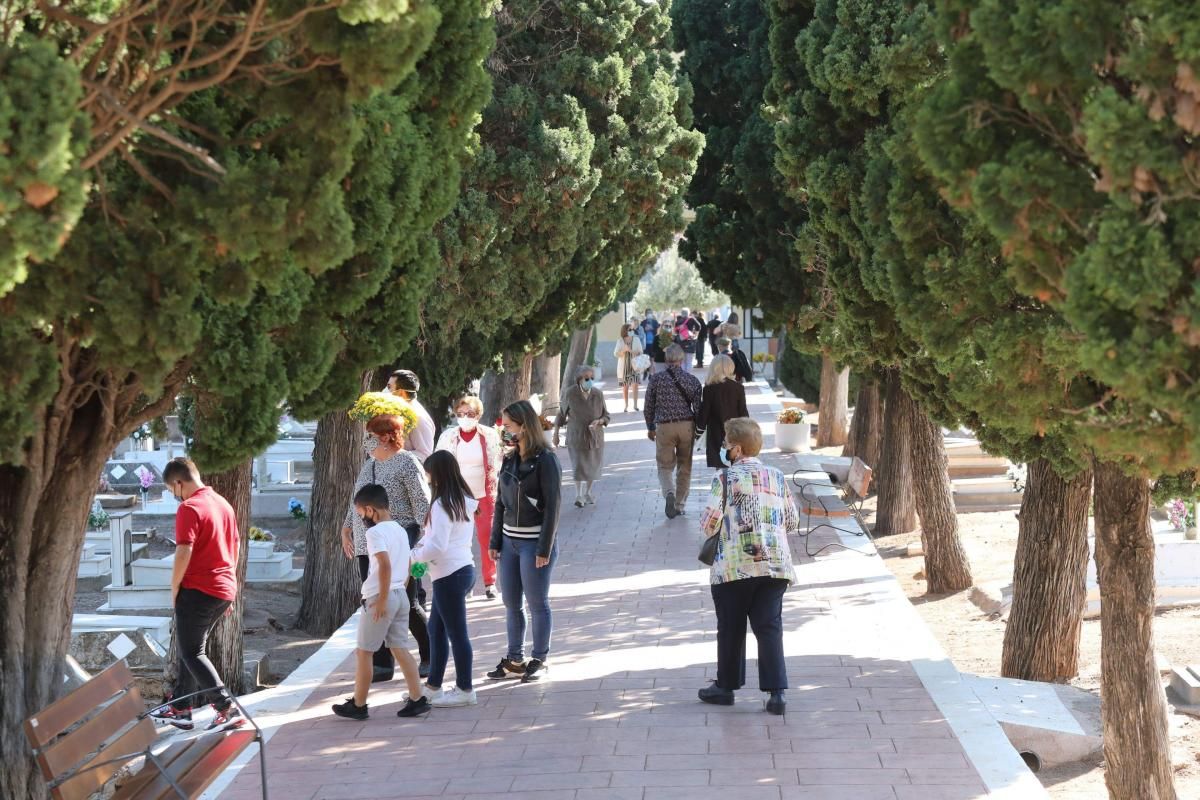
[448, 627]
[520, 580]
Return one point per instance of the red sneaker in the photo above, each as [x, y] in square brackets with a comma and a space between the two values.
[226, 720]
[173, 716]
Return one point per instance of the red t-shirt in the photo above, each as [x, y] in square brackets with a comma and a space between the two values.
[206, 521]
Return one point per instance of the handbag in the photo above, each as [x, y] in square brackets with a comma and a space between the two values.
[708, 550]
[641, 362]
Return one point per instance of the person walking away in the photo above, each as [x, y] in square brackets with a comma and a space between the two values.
[701, 329]
[732, 330]
[672, 401]
[203, 589]
[741, 365]
[714, 332]
[627, 350]
[385, 604]
[446, 550]
[723, 399]
[476, 448]
[523, 539]
[397, 470]
[750, 507]
[405, 384]
[685, 335]
[581, 408]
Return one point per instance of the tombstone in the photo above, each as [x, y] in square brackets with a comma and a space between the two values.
[125, 477]
[120, 526]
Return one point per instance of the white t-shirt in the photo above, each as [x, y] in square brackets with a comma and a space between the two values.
[446, 545]
[469, 456]
[420, 439]
[386, 537]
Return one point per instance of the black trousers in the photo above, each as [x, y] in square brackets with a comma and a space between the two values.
[700, 353]
[712, 345]
[759, 600]
[196, 614]
[417, 625]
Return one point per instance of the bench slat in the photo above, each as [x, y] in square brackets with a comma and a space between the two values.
[43, 726]
[72, 748]
[84, 784]
[194, 765]
[818, 511]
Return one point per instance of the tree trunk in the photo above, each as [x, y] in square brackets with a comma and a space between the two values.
[330, 588]
[833, 413]
[866, 426]
[581, 342]
[895, 511]
[225, 642]
[1041, 640]
[506, 388]
[547, 380]
[947, 568]
[1137, 749]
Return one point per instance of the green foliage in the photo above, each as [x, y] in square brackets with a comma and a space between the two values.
[585, 153]
[674, 282]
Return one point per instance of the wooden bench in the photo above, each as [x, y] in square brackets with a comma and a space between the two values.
[854, 485]
[82, 740]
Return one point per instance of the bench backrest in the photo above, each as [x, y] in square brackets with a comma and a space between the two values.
[858, 482]
[95, 723]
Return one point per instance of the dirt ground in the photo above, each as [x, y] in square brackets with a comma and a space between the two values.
[974, 642]
[270, 612]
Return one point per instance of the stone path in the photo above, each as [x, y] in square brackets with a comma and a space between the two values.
[634, 639]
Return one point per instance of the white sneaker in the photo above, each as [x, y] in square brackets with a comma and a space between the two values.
[455, 696]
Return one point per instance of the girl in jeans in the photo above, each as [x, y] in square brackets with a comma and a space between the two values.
[523, 532]
[446, 549]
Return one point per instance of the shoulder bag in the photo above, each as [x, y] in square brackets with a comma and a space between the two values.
[708, 550]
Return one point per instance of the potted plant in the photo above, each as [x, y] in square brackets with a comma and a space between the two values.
[262, 543]
[792, 430]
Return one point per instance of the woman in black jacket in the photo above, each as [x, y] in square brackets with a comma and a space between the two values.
[523, 531]
[723, 399]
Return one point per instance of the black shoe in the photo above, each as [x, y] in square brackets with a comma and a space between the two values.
[423, 669]
[351, 711]
[489, 592]
[415, 708]
[672, 510]
[379, 674]
[776, 703]
[716, 695]
[171, 715]
[535, 669]
[507, 668]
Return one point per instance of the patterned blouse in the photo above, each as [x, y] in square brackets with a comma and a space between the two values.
[761, 513]
[408, 494]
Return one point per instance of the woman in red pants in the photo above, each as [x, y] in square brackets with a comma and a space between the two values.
[477, 449]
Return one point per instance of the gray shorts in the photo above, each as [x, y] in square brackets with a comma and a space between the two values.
[390, 629]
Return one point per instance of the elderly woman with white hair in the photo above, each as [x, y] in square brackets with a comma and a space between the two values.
[581, 408]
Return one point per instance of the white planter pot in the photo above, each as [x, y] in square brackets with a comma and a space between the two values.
[792, 438]
[260, 550]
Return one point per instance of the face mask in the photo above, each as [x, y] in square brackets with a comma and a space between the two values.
[467, 423]
[370, 444]
[588, 384]
[510, 438]
[368, 522]
[727, 456]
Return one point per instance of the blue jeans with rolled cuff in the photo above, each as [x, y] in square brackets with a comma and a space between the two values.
[521, 580]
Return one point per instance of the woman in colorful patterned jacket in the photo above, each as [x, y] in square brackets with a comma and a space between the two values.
[751, 509]
[476, 448]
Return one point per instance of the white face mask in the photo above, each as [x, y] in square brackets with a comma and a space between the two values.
[370, 444]
[467, 424]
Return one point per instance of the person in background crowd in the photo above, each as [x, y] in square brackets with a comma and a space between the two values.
[714, 332]
[403, 478]
[732, 330]
[701, 336]
[405, 384]
[750, 507]
[385, 607]
[723, 399]
[635, 329]
[523, 538]
[446, 549]
[476, 448]
[672, 401]
[687, 334]
[203, 588]
[665, 339]
[628, 348]
[741, 365]
[582, 409]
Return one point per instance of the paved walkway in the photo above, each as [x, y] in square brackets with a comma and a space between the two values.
[634, 639]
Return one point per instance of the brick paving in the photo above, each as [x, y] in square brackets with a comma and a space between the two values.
[618, 718]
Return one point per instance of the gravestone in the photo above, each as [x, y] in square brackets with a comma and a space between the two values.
[125, 477]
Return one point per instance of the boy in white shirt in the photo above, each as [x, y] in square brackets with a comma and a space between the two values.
[384, 616]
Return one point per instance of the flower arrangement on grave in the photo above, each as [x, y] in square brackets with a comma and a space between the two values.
[97, 518]
[158, 428]
[141, 432]
[1181, 515]
[257, 534]
[297, 508]
[764, 358]
[373, 404]
[791, 416]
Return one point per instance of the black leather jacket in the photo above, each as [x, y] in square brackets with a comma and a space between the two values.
[528, 496]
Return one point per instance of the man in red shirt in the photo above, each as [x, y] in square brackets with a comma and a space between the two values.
[203, 587]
